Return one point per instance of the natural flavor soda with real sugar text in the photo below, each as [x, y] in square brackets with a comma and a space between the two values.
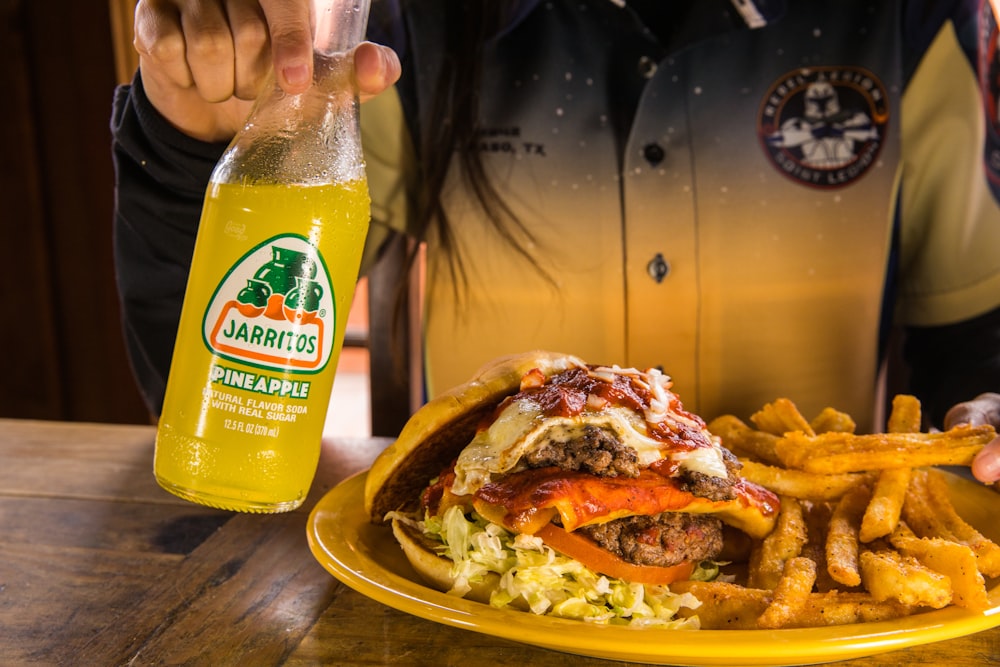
[260, 334]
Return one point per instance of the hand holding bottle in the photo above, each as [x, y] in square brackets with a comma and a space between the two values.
[203, 62]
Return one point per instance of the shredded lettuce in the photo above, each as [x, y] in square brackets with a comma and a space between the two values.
[534, 576]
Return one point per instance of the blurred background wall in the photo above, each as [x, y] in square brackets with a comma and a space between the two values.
[63, 356]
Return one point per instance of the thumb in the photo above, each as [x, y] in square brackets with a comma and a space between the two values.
[986, 465]
[290, 30]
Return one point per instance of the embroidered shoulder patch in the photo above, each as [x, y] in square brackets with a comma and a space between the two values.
[989, 85]
[824, 126]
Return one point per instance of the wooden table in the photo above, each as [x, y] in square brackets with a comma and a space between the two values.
[99, 566]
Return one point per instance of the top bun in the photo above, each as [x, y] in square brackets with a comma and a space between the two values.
[437, 432]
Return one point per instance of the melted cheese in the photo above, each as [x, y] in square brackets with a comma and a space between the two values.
[521, 428]
[706, 461]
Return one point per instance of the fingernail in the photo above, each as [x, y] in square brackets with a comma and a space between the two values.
[296, 75]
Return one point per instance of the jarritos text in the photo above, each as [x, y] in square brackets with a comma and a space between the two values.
[274, 308]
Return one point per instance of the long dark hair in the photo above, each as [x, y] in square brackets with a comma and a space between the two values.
[468, 27]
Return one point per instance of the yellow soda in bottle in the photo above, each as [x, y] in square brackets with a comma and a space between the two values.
[272, 277]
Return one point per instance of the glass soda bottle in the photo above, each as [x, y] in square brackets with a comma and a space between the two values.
[272, 278]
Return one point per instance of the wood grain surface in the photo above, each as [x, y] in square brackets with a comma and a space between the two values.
[99, 566]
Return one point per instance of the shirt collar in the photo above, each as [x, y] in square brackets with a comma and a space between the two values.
[755, 13]
[759, 13]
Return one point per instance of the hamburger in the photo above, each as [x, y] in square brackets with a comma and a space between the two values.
[564, 487]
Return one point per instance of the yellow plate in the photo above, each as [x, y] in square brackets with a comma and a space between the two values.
[366, 558]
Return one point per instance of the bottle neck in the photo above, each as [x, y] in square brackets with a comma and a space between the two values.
[339, 25]
[312, 137]
[309, 139]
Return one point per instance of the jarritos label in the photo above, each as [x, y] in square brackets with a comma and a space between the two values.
[275, 308]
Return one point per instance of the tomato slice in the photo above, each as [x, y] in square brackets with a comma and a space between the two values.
[585, 550]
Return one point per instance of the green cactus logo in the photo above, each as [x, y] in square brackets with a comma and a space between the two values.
[274, 308]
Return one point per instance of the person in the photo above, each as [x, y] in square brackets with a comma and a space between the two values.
[760, 198]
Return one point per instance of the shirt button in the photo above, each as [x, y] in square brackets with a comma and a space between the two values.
[653, 153]
[647, 67]
[658, 268]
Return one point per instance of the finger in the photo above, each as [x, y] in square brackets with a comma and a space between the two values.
[986, 465]
[376, 68]
[251, 47]
[210, 51]
[983, 409]
[159, 41]
[291, 42]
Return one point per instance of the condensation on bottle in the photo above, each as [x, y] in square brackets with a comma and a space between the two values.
[272, 278]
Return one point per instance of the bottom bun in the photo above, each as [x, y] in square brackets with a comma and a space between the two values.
[435, 570]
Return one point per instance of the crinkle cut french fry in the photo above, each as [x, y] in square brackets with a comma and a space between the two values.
[917, 512]
[842, 608]
[929, 512]
[768, 557]
[889, 575]
[790, 595]
[883, 511]
[817, 518]
[842, 546]
[882, 514]
[724, 606]
[740, 439]
[905, 416]
[842, 550]
[956, 561]
[902, 532]
[732, 607]
[830, 420]
[987, 551]
[780, 417]
[801, 484]
[842, 452]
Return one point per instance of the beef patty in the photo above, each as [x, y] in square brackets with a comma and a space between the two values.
[599, 452]
[667, 539]
[588, 448]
